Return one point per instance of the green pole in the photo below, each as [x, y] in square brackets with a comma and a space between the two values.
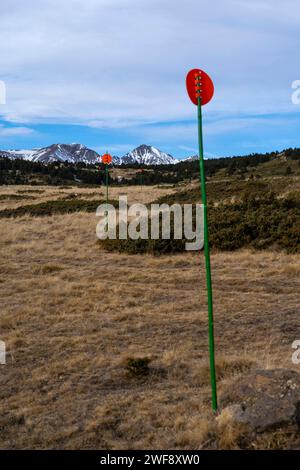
[106, 182]
[207, 266]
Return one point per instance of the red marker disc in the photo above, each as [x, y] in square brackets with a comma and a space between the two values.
[199, 84]
[106, 158]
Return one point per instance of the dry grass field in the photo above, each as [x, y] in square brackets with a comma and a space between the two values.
[13, 196]
[71, 314]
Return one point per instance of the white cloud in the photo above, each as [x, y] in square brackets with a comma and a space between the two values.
[187, 148]
[15, 131]
[122, 63]
[117, 149]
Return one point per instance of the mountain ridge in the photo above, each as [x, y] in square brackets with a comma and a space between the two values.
[148, 155]
[75, 152]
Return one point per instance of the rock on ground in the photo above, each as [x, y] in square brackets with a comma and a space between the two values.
[264, 399]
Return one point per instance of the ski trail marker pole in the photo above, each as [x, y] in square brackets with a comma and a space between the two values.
[106, 182]
[106, 159]
[141, 178]
[200, 89]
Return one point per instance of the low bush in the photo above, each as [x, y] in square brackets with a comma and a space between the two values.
[137, 367]
[53, 207]
[260, 222]
[14, 197]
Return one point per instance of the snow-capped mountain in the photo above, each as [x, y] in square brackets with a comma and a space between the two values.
[72, 153]
[148, 155]
[191, 159]
[117, 161]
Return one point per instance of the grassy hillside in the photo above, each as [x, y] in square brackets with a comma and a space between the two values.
[250, 166]
[262, 214]
[74, 318]
[256, 209]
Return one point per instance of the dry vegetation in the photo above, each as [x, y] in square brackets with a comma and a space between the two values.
[71, 314]
[14, 196]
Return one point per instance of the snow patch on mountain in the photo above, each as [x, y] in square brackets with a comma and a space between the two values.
[191, 159]
[148, 155]
[72, 153]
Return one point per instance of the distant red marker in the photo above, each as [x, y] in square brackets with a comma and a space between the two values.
[106, 158]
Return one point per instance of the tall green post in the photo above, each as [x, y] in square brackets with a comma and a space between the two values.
[106, 182]
[207, 265]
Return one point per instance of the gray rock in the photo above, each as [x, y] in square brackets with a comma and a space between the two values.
[264, 399]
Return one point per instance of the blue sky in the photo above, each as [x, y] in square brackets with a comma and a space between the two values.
[110, 74]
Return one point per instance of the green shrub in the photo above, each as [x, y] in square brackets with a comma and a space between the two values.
[138, 367]
[54, 207]
[259, 222]
[14, 197]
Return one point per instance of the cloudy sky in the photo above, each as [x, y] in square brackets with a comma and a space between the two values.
[111, 74]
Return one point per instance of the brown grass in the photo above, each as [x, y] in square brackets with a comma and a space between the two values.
[71, 314]
[39, 194]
